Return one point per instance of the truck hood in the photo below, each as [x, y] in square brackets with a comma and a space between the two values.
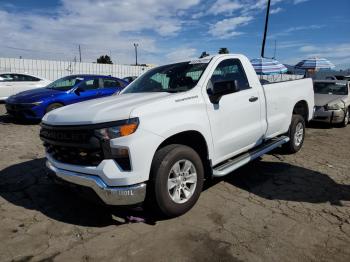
[324, 99]
[33, 95]
[108, 109]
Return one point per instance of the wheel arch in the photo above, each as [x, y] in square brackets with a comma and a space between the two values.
[193, 139]
[302, 108]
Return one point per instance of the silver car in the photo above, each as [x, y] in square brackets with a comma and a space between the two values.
[332, 101]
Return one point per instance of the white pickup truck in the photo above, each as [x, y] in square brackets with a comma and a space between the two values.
[173, 127]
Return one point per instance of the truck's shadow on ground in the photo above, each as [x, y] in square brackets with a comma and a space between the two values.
[27, 185]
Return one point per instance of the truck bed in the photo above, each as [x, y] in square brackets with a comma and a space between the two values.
[280, 100]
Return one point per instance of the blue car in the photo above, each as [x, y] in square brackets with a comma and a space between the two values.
[34, 104]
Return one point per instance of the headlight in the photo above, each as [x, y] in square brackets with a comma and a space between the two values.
[124, 128]
[335, 106]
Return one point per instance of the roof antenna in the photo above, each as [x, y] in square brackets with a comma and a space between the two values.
[265, 30]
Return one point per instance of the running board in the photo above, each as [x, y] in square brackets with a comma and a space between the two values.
[234, 163]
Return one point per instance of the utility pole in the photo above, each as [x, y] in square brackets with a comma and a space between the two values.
[265, 30]
[136, 46]
[79, 54]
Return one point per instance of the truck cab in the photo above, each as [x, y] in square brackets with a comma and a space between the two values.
[173, 127]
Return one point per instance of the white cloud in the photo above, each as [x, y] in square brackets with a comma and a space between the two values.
[276, 10]
[227, 28]
[308, 48]
[300, 28]
[98, 25]
[182, 54]
[299, 1]
[295, 29]
[336, 53]
[224, 6]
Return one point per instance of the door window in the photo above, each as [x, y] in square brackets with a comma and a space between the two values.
[231, 70]
[110, 83]
[27, 78]
[90, 84]
[6, 78]
[18, 78]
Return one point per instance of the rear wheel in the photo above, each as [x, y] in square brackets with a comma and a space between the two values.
[53, 106]
[296, 135]
[177, 176]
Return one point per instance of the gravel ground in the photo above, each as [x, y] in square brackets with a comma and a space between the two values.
[278, 208]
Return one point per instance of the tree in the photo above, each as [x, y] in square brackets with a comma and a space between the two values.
[204, 54]
[224, 50]
[104, 59]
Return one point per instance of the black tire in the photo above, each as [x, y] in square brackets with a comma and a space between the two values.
[53, 106]
[158, 195]
[346, 119]
[294, 145]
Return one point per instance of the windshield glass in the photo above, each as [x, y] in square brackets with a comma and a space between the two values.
[172, 78]
[65, 83]
[331, 88]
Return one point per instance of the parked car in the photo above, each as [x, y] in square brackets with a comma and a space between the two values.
[129, 79]
[338, 77]
[34, 104]
[173, 127]
[13, 83]
[332, 101]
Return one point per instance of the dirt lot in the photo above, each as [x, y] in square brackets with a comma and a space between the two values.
[279, 208]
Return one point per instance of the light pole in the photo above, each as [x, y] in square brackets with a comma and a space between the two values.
[136, 46]
[265, 30]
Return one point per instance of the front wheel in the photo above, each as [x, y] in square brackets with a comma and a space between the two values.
[296, 135]
[177, 176]
[53, 107]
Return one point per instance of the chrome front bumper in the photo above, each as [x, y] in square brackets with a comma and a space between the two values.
[124, 195]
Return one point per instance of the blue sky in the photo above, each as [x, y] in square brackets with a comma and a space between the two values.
[173, 30]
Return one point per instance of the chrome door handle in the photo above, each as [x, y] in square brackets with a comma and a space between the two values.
[253, 99]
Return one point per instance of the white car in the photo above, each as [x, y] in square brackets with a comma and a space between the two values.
[13, 83]
[173, 127]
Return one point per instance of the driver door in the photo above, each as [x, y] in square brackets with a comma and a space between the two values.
[235, 119]
[86, 90]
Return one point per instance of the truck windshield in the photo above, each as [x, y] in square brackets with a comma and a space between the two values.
[331, 88]
[65, 83]
[172, 78]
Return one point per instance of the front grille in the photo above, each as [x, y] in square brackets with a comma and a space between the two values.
[17, 107]
[317, 108]
[72, 146]
[78, 145]
[75, 155]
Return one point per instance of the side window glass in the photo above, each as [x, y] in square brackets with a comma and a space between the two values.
[15, 78]
[231, 70]
[161, 81]
[27, 78]
[122, 84]
[6, 78]
[90, 84]
[32, 78]
[110, 83]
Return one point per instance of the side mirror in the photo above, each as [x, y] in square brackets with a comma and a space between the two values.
[78, 90]
[220, 89]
